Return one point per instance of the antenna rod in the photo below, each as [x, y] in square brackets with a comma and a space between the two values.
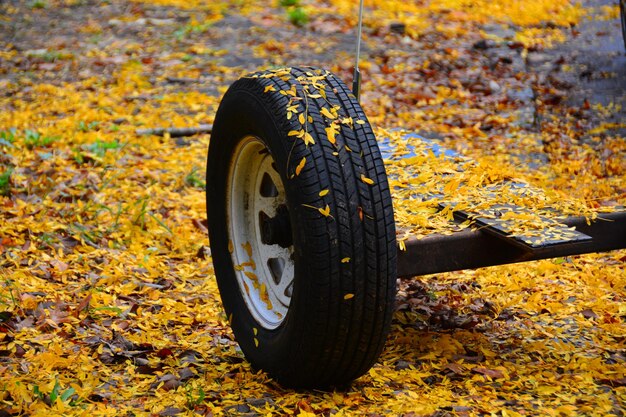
[356, 79]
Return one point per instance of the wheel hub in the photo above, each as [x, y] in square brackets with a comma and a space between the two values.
[276, 230]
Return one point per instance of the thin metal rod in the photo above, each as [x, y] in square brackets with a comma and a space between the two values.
[356, 80]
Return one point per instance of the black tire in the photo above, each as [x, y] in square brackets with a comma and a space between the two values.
[344, 245]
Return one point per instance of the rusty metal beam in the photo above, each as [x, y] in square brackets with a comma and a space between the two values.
[469, 249]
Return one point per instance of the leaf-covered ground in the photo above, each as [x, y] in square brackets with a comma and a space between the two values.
[108, 302]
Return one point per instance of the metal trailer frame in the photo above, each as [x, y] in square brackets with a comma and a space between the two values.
[481, 247]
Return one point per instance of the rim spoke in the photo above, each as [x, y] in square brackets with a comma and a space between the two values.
[285, 286]
[277, 266]
[280, 265]
[267, 205]
[269, 169]
[270, 192]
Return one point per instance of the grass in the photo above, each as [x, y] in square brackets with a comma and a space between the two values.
[295, 13]
[5, 182]
[86, 127]
[38, 4]
[95, 150]
[100, 148]
[298, 16]
[193, 180]
[34, 139]
[7, 137]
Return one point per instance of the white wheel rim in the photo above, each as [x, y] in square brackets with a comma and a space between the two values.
[264, 270]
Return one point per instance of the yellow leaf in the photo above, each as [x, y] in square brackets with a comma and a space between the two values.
[325, 211]
[360, 122]
[300, 166]
[548, 390]
[301, 118]
[256, 342]
[331, 132]
[366, 180]
[298, 133]
[429, 356]
[488, 353]
[325, 112]
[348, 296]
[347, 121]
[290, 92]
[251, 275]
[250, 263]
[269, 88]
[345, 260]
[323, 193]
[308, 139]
[248, 248]
[255, 331]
